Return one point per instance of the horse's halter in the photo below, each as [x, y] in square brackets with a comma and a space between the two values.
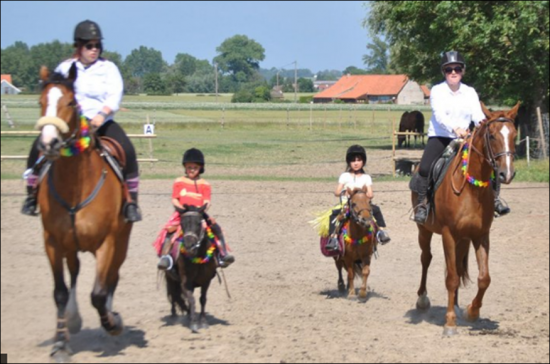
[200, 237]
[356, 215]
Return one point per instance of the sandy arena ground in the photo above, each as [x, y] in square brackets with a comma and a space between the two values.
[285, 307]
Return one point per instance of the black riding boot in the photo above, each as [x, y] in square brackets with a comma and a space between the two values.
[225, 259]
[500, 208]
[333, 243]
[421, 209]
[131, 210]
[29, 206]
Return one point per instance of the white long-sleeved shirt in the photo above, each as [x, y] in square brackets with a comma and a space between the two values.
[451, 110]
[96, 86]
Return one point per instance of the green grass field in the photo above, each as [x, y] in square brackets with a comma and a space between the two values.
[247, 142]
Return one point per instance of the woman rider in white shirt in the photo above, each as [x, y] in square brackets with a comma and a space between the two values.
[355, 177]
[98, 91]
[454, 106]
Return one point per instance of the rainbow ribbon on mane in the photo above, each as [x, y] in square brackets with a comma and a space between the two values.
[81, 144]
[473, 181]
[209, 253]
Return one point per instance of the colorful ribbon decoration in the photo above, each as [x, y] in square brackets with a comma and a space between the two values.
[473, 181]
[81, 144]
[363, 240]
[209, 253]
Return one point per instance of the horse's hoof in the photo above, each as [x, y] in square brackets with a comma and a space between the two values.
[203, 326]
[118, 325]
[342, 288]
[74, 324]
[468, 315]
[423, 303]
[195, 328]
[61, 353]
[352, 298]
[363, 295]
[450, 331]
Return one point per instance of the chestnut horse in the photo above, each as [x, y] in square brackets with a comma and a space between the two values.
[80, 202]
[359, 237]
[464, 211]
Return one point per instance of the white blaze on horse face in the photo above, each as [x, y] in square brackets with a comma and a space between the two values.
[505, 131]
[53, 99]
[50, 132]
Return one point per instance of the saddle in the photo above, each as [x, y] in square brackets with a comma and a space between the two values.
[438, 171]
[114, 155]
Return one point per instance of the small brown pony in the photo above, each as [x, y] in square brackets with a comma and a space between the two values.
[464, 212]
[359, 243]
[80, 202]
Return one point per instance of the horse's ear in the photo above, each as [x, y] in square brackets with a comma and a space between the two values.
[44, 73]
[72, 72]
[203, 208]
[186, 207]
[365, 189]
[486, 111]
[514, 112]
[350, 192]
[181, 211]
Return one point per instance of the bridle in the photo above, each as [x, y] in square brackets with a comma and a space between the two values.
[492, 157]
[356, 215]
[489, 156]
[200, 237]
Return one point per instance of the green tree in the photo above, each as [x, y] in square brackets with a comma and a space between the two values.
[352, 70]
[305, 85]
[17, 62]
[154, 85]
[240, 56]
[143, 61]
[377, 58]
[505, 44]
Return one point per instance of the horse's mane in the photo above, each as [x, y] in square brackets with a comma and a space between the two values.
[58, 78]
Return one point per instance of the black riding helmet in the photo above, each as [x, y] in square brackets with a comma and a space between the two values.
[452, 57]
[87, 30]
[194, 155]
[356, 150]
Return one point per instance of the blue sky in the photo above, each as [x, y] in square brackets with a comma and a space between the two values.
[319, 35]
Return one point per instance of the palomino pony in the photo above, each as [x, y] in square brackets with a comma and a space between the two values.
[464, 205]
[80, 201]
[195, 265]
[359, 237]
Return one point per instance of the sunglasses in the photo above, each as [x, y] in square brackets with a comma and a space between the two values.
[449, 70]
[91, 46]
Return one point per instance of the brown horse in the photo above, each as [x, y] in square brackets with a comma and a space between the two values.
[80, 201]
[464, 212]
[359, 243]
[412, 122]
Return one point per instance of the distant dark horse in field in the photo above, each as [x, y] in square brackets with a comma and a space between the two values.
[359, 236]
[195, 266]
[80, 201]
[411, 122]
[464, 208]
